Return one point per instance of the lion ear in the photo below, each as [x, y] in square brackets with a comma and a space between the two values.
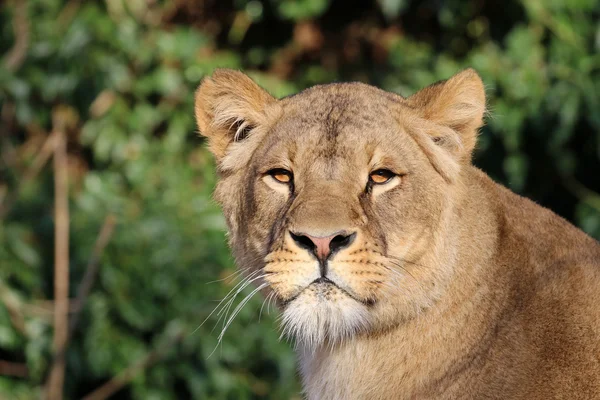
[458, 104]
[229, 105]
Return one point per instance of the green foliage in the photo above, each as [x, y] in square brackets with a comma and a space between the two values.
[126, 73]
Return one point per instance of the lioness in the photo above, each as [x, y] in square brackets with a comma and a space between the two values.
[401, 270]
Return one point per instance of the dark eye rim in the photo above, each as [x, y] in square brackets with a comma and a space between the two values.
[281, 171]
[389, 175]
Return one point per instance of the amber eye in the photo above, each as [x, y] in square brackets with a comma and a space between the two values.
[281, 175]
[381, 176]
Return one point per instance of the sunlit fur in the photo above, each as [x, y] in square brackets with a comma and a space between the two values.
[451, 287]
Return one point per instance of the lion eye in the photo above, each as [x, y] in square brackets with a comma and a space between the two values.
[281, 175]
[381, 176]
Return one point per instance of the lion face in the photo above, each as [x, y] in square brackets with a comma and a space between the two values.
[337, 197]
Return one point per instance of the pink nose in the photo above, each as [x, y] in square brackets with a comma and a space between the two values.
[323, 246]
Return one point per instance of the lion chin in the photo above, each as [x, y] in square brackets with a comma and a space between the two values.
[323, 313]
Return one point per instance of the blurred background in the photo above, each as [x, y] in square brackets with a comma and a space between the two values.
[109, 237]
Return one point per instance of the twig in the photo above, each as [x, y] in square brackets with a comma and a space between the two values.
[14, 307]
[18, 52]
[119, 381]
[583, 193]
[61, 264]
[8, 368]
[18, 310]
[41, 159]
[38, 163]
[45, 309]
[87, 283]
[67, 14]
[91, 271]
[7, 116]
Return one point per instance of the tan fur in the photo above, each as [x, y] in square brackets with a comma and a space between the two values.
[452, 287]
[228, 100]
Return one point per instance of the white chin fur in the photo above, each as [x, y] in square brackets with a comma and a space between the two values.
[314, 318]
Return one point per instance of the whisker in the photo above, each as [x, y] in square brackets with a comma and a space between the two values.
[403, 260]
[263, 304]
[397, 264]
[245, 285]
[234, 275]
[272, 300]
[224, 298]
[225, 309]
[403, 268]
[235, 313]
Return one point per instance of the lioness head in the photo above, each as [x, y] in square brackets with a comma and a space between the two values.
[337, 198]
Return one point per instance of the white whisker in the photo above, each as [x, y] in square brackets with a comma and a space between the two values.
[245, 285]
[239, 308]
[235, 313]
[263, 304]
[234, 275]
[224, 299]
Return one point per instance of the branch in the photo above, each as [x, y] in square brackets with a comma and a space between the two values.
[8, 368]
[61, 262]
[39, 161]
[119, 381]
[85, 287]
[91, 271]
[16, 55]
[14, 307]
[583, 193]
[8, 152]
[18, 310]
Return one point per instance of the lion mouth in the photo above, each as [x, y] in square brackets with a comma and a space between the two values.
[323, 285]
[324, 281]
